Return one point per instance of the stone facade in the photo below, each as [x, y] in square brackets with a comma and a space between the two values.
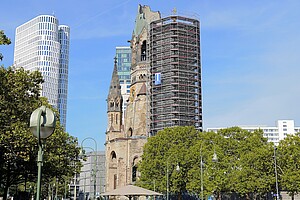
[124, 142]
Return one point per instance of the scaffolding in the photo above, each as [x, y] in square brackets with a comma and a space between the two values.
[175, 55]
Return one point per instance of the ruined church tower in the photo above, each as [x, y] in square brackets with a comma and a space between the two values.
[124, 143]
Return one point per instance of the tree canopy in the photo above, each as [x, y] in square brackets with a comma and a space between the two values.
[288, 157]
[19, 97]
[4, 40]
[244, 167]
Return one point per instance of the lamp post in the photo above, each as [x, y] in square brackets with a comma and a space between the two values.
[92, 173]
[214, 159]
[42, 125]
[276, 176]
[177, 169]
[95, 169]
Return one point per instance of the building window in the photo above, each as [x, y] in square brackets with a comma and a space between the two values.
[134, 169]
[115, 181]
[113, 155]
[143, 51]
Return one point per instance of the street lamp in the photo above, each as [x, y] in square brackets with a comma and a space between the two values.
[177, 169]
[276, 176]
[214, 159]
[95, 172]
[42, 125]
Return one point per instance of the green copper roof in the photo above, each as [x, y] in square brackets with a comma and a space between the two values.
[143, 18]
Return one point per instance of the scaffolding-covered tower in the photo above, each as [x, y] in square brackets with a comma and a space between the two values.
[175, 68]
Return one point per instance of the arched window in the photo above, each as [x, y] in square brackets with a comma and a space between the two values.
[111, 118]
[113, 155]
[111, 104]
[130, 132]
[116, 118]
[143, 51]
[115, 181]
[134, 169]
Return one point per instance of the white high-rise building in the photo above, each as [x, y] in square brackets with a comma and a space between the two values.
[42, 44]
[273, 133]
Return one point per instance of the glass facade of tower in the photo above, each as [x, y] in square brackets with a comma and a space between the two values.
[41, 44]
[123, 56]
[64, 38]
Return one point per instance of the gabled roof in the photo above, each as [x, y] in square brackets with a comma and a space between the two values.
[131, 190]
[142, 90]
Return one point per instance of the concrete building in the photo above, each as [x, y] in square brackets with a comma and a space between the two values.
[92, 175]
[273, 133]
[123, 56]
[42, 44]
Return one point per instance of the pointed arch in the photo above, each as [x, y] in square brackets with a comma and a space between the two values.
[113, 156]
[134, 169]
[143, 50]
[111, 104]
[130, 132]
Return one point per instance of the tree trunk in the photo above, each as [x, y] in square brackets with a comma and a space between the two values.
[247, 196]
[6, 188]
[180, 196]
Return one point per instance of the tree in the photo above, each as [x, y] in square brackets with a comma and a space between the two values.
[163, 153]
[253, 172]
[207, 144]
[4, 40]
[244, 163]
[288, 157]
[19, 97]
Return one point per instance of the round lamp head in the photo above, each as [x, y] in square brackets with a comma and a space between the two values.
[47, 122]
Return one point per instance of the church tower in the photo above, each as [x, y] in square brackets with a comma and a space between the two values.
[114, 129]
[114, 102]
[124, 143]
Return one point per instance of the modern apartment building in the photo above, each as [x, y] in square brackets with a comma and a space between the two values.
[273, 133]
[175, 69]
[42, 44]
[123, 56]
[91, 180]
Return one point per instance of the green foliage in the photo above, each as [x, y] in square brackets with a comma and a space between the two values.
[244, 166]
[4, 40]
[19, 97]
[288, 162]
[167, 149]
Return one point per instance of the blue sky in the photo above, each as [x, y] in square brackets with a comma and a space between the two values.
[250, 56]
